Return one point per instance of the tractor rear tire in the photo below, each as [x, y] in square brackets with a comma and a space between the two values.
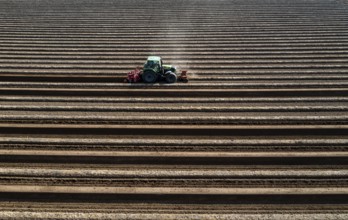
[171, 77]
[149, 77]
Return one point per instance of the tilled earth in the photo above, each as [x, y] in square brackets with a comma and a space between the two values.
[260, 131]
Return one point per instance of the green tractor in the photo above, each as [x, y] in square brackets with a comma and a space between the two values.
[154, 70]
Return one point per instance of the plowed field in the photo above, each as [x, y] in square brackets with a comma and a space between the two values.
[260, 131]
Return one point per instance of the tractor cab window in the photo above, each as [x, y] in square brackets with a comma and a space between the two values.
[151, 64]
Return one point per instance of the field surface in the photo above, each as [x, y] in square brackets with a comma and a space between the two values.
[260, 131]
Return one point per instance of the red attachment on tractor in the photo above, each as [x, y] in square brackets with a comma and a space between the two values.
[183, 76]
[134, 76]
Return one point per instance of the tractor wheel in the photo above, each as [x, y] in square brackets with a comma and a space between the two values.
[171, 77]
[149, 77]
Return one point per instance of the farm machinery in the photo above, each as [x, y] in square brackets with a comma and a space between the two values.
[154, 71]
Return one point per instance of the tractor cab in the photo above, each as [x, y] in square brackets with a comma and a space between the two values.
[154, 63]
